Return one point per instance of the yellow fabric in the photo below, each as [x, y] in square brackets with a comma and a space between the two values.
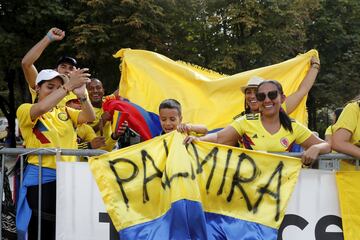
[349, 195]
[57, 126]
[168, 153]
[350, 119]
[250, 128]
[62, 103]
[328, 130]
[33, 94]
[109, 142]
[85, 132]
[147, 78]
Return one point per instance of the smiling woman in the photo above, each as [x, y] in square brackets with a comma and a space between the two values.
[291, 102]
[270, 130]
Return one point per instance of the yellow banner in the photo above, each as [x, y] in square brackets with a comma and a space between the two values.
[349, 195]
[139, 183]
[147, 78]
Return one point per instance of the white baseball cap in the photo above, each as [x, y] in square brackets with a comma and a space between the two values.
[48, 74]
[252, 83]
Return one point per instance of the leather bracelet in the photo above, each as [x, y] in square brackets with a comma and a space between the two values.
[315, 65]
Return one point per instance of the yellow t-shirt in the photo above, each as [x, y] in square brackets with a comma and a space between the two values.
[54, 129]
[328, 130]
[85, 133]
[109, 142]
[255, 136]
[349, 119]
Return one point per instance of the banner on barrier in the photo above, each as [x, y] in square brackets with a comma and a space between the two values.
[312, 213]
[207, 190]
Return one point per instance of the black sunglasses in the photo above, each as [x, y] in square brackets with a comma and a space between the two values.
[260, 96]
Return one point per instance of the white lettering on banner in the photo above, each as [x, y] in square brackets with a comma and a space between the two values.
[312, 214]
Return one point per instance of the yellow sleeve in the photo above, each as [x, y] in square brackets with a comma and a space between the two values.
[23, 115]
[328, 131]
[85, 132]
[238, 125]
[109, 144]
[33, 94]
[301, 132]
[348, 119]
[73, 114]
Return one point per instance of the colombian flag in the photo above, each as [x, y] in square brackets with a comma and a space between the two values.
[207, 97]
[162, 189]
[145, 123]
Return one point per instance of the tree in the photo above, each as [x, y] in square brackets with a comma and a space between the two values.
[335, 32]
[20, 28]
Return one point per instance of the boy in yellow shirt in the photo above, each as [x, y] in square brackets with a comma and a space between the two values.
[170, 119]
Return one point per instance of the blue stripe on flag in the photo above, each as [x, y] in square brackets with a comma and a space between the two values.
[187, 220]
[151, 119]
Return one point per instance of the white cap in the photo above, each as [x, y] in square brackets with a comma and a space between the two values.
[252, 83]
[48, 74]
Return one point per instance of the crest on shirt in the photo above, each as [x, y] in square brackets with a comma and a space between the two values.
[63, 116]
[284, 142]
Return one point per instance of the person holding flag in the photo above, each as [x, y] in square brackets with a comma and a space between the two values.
[291, 102]
[270, 130]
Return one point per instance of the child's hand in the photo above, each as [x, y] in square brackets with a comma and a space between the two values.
[184, 128]
[190, 139]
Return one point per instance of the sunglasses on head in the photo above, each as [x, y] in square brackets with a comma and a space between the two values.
[260, 96]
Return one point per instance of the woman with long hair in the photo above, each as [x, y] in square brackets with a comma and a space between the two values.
[270, 130]
[292, 101]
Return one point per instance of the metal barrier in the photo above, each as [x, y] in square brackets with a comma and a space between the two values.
[40, 152]
[332, 158]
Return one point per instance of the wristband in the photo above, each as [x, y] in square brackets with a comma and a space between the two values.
[51, 38]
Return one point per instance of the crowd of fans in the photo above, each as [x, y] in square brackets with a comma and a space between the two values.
[66, 112]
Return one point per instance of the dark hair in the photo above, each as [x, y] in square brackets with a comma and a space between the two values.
[247, 109]
[95, 80]
[66, 59]
[337, 113]
[285, 120]
[172, 104]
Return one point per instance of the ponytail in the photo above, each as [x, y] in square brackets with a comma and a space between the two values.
[285, 120]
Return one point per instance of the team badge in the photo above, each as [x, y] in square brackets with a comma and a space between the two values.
[63, 116]
[284, 142]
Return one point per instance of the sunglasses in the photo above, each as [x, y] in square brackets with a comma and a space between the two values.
[260, 96]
